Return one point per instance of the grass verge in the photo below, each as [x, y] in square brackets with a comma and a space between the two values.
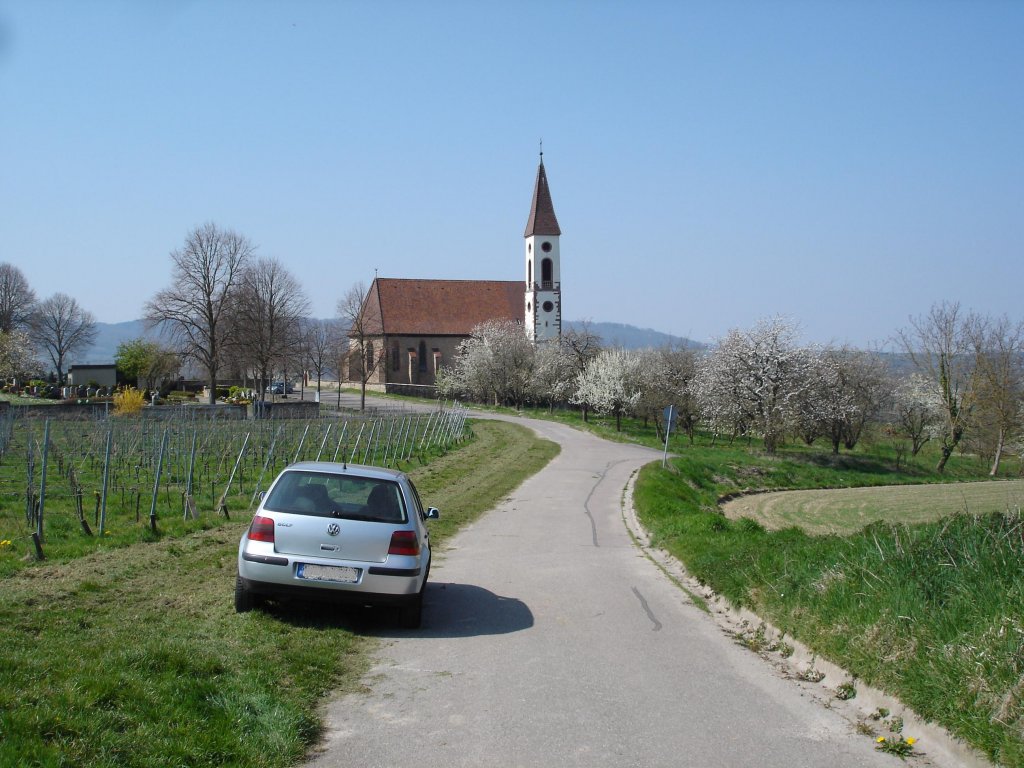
[932, 613]
[135, 657]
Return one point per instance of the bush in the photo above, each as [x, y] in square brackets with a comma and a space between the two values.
[128, 401]
[239, 396]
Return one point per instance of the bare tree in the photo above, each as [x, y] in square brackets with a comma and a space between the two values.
[17, 299]
[665, 377]
[60, 327]
[365, 330]
[999, 383]
[845, 389]
[194, 310]
[267, 316]
[940, 346]
[319, 340]
[870, 382]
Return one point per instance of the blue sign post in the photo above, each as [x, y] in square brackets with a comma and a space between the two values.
[670, 416]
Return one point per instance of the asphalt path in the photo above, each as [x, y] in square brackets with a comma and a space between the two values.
[549, 639]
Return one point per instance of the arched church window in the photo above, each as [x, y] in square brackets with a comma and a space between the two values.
[369, 356]
[423, 355]
[395, 361]
[529, 272]
[545, 273]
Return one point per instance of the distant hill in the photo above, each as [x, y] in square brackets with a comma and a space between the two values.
[612, 335]
[109, 336]
[631, 337]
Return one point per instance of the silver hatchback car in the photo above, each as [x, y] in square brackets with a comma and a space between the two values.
[350, 533]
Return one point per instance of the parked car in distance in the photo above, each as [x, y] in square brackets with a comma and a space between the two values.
[341, 532]
[280, 388]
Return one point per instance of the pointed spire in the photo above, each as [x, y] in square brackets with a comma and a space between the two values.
[542, 219]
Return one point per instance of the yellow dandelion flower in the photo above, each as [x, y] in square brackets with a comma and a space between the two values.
[911, 741]
[880, 739]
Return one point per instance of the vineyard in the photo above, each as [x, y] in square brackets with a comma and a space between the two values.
[68, 487]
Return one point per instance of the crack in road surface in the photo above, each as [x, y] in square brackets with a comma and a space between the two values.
[593, 490]
[647, 610]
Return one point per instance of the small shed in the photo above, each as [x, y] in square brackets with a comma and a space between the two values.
[100, 375]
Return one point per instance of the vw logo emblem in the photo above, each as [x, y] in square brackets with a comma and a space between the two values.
[333, 529]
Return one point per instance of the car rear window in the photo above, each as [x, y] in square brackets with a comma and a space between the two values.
[321, 494]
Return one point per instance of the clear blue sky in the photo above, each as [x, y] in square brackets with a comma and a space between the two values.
[845, 163]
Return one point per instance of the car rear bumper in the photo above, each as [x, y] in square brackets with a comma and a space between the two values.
[318, 594]
[276, 574]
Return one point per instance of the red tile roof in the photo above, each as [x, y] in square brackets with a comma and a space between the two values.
[441, 307]
[542, 219]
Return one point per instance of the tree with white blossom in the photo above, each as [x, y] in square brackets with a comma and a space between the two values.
[17, 358]
[917, 410]
[718, 390]
[753, 379]
[495, 364]
[583, 345]
[610, 383]
[554, 373]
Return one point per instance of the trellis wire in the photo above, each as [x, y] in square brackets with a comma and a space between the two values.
[116, 460]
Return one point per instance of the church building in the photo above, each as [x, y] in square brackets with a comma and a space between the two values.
[412, 328]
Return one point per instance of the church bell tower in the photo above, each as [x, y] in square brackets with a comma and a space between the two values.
[543, 265]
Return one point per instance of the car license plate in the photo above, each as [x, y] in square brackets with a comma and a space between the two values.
[339, 573]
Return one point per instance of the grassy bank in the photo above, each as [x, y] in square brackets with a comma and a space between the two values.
[848, 510]
[932, 613]
[135, 657]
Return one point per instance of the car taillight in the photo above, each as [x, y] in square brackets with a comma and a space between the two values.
[404, 543]
[262, 529]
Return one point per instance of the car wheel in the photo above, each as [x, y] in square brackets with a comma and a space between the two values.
[411, 616]
[245, 600]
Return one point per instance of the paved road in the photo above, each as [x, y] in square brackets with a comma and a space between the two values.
[550, 640]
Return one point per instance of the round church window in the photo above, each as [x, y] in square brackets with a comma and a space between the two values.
[546, 247]
[548, 306]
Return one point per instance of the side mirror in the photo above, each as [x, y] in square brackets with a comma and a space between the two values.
[262, 494]
[432, 514]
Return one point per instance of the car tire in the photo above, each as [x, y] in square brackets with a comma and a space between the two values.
[410, 616]
[245, 600]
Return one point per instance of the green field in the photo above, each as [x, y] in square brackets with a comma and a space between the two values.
[847, 510]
